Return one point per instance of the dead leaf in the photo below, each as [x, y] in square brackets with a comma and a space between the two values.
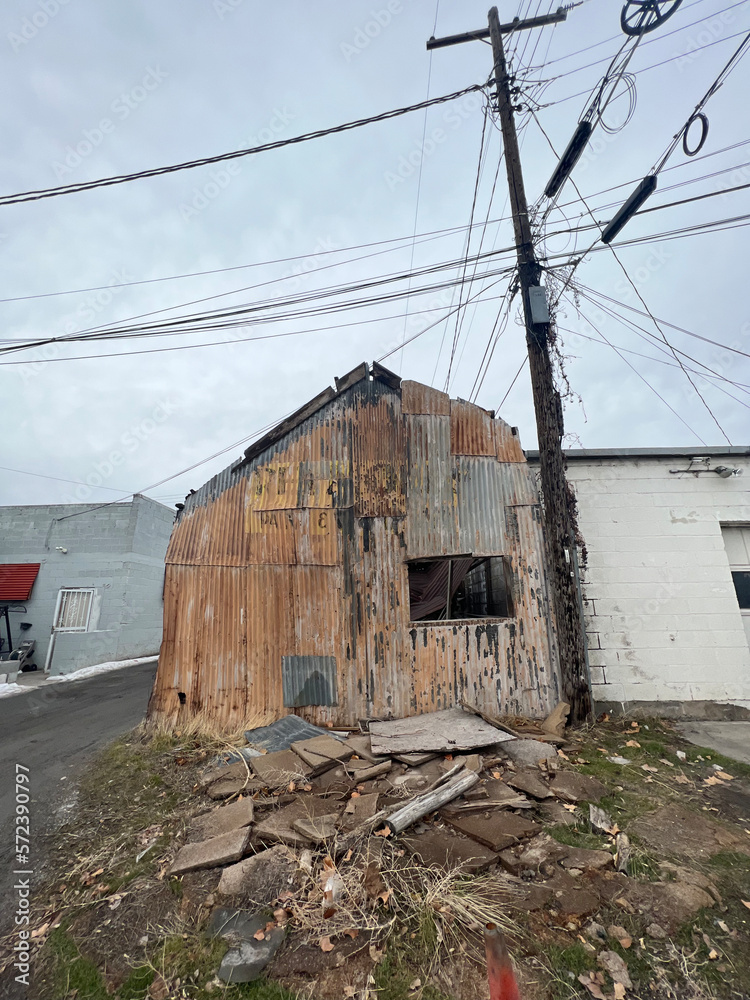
[648, 767]
[633, 743]
[349, 992]
[725, 776]
[619, 991]
[385, 832]
[414, 985]
[326, 944]
[352, 933]
[745, 903]
[681, 779]
[569, 806]
[563, 755]
[711, 781]
[376, 955]
[348, 855]
[260, 935]
[723, 926]
[713, 954]
[498, 774]
[663, 760]
[593, 987]
[385, 896]
[158, 990]
[355, 795]
[40, 930]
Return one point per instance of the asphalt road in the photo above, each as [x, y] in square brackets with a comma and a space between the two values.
[53, 731]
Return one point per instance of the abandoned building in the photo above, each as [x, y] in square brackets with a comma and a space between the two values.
[378, 554]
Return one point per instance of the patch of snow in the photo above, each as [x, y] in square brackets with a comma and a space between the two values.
[6, 690]
[102, 668]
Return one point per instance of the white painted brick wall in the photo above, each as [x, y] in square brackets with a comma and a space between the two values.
[661, 612]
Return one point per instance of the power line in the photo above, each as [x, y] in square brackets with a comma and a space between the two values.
[642, 300]
[646, 382]
[57, 479]
[14, 199]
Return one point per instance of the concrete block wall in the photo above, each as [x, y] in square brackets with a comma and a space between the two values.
[662, 616]
[117, 550]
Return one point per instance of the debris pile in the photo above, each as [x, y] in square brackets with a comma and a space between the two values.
[325, 833]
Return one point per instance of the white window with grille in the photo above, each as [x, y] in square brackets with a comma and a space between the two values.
[73, 612]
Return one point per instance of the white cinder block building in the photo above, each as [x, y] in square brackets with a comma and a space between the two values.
[666, 577]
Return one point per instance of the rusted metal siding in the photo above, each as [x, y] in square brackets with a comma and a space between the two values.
[432, 497]
[311, 564]
[481, 511]
[472, 432]
[417, 398]
[507, 443]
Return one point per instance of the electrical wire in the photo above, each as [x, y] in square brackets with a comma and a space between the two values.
[36, 195]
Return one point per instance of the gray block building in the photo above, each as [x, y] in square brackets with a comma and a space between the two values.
[84, 583]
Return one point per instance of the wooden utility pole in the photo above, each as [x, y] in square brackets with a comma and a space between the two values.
[558, 498]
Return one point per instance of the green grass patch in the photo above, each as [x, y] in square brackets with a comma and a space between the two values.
[72, 974]
[578, 836]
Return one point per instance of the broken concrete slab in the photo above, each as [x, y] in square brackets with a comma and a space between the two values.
[317, 828]
[442, 848]
[529, 782]
[211, 853]
[496, 831]
[225, 788]
[281, 734]
[541, 850]
[570, 786]
[585, 860]
[278, 827]
[440, 732]
[276, 769]
[222, 820]
[555, 814]
[322, 752]
[260, 879]
[669, 904]
[358, 810]
[690, 877]
[360, 745]
[673, 829]
[570, 898]
[528, 753]
[239, 769]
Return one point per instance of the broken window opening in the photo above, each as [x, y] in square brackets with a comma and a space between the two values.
[459, 587]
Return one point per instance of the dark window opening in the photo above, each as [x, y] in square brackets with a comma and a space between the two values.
[459, 587]
[742, 586]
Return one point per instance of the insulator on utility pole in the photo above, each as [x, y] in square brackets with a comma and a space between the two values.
[570, 157]
[644, 191]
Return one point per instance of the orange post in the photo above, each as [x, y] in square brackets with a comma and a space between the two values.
[503, 985]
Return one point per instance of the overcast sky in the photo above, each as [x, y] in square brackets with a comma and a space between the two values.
[97, 89]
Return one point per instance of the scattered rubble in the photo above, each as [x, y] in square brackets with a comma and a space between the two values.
[319, 832]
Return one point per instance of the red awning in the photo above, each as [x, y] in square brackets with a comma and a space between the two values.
[16, 580]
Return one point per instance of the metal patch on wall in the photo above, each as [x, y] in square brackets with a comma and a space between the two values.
[309, 680]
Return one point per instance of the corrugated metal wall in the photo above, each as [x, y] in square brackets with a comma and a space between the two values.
[302, 553]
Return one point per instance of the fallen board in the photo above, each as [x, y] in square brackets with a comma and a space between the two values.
[439, 732]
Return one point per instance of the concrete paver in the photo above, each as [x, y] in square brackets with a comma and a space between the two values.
[729, 738]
